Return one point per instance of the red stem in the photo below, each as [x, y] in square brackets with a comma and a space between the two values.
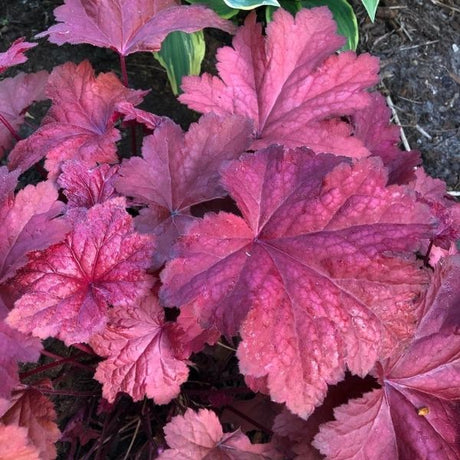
[56, 363]
[249, 419]
[124, 73]
[9, 127]
[82, 394]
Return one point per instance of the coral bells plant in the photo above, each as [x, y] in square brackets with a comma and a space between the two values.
[279, 281]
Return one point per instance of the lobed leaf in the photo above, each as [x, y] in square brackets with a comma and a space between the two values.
[319, 274]
[15, 54]
[69, 287]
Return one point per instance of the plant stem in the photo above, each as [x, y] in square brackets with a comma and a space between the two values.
[124, 73]
[8, 126]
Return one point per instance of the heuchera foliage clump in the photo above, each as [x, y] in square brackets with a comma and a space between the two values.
[286, 223]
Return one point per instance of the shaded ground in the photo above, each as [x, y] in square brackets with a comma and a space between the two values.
[418, 42]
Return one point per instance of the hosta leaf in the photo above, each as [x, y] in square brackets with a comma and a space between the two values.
[311, 276]
[250, 4]
[371, 7]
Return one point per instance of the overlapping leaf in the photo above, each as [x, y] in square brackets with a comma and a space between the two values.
[35, 413]
[417, 412]
[128, 26]
[30, 222]
[16, 94]
[15, 445]
[85, 186]
[179, 170]
[319, 274]
[70, 285]
[80, 123]
[140, 358]
[296, 95]
[15, 54]
[197, 436]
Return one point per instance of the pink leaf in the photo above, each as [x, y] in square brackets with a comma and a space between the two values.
[15, 54]
[179, 170]
[128, 26]
[294, 94]
[311, 276]
[416, 413]
[70, 285]
[16, 94]
[16, 347]
[15, 444]
[30, 222]
[85, 186]
[33, 411]
[197, 436]
[140, 358]
[80, 123]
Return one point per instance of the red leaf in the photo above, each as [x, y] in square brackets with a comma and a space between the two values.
[15, 445]
[69, 286]
[140, 359]
[294, 94]
[128, 26]
[85, 186]
[80, 123]
[30, 222]
[15, 54]
[179, 170]
[16, 94]
[320, 274]
[33, 411]
[15, 347]
[197, 436]
[417, 412]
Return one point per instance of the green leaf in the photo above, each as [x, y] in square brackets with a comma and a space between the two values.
[181, 54]
[250, 4]
[219, 6]
[371, 7]
[344, 16]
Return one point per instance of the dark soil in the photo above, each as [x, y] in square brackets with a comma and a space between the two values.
[418, 42]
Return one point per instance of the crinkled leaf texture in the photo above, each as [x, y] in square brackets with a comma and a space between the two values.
[15, 54]
[69, 286]
[35, 413]
[295, 95]
[16, 94]
[86, 186]
[199, 436]
[128, 26]
[179, 170]
[30, 221]
[15, 445]
[140, 356]
[417, 412]
[319, 274]
[80, 122]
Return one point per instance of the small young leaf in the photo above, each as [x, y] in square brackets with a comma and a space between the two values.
[371, 7]
[181, 54]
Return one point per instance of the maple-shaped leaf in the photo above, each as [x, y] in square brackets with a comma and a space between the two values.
[16, 94]
[69, 286]
[15, 444]
[15, 54]
[80, 122]
[130, 113]
[128, 26]
[294, 94]
[16, 347]
[319, 274]
[416, 413]
[373, 127]
[140, 357]
[30, 221]
[86, 186]
[199, 436]
[179, 170]
[31, 410]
